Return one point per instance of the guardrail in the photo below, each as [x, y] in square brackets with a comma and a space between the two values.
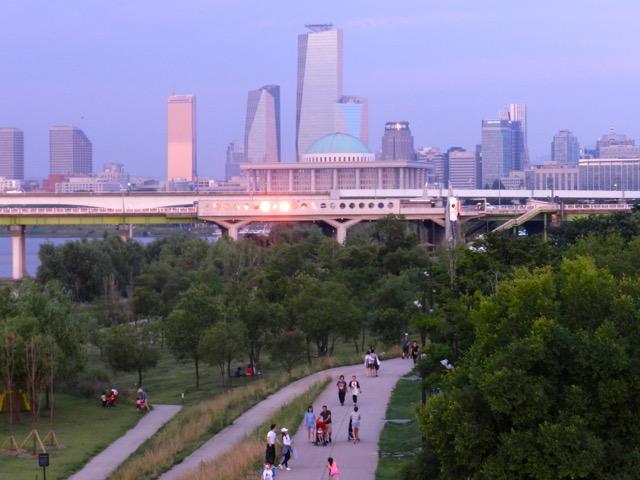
[54, 211]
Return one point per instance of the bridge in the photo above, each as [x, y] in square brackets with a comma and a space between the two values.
[340, 210]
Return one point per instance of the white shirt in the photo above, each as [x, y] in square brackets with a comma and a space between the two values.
[354, 387]
[286, 440]
[271, 438]
[267, 475]
[355, 416]
[367, 360]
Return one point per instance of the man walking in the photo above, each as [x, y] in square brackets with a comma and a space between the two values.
[342, 389]
[405, 346]
[270, 454]
[326, 417]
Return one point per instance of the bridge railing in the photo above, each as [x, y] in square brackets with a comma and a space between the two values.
[4, 211]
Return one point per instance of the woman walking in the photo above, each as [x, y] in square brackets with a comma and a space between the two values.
[354, 385]
[286, 449]
[334, 471]
[415, 350]
[355, 424]
[310, 423]
[342, 389]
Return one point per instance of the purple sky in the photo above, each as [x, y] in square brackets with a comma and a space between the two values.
[108, 66]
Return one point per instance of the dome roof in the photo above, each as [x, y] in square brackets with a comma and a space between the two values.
[338, 143]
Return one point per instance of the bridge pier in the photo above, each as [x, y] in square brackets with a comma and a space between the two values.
[232, 229]
[125, 232]
[18, 252]
[341, 228]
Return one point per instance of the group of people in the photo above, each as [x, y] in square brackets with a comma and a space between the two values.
[410, 349]
[109, 397]
[319, 432]
[371, 363]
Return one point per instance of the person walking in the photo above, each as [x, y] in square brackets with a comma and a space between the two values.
[376, 363]
[334, 471]
[270, 453]
[355, 424]
[405, 346]
[342, 389]
[326, 417]
[354, 386]
[368, 364]
[286, 449]
[415, 350]
[310, 423]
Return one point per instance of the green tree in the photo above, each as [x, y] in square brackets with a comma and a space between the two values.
[221, 344]
[549, 387]
[184, 327]
[131, 348]
[287, 348]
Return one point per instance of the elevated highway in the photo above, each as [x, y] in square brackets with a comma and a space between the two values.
[231, 212]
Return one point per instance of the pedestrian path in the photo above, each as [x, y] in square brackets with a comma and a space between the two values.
[246, 423]
[103, 464]
[356, 462]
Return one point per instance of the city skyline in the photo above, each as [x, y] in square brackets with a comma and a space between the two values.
[429, 88]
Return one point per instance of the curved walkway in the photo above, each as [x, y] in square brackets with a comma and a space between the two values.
[103, 464]
[356, 462]
[309, 464]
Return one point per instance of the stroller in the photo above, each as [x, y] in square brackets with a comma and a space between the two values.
[321, 434]
[350, 439]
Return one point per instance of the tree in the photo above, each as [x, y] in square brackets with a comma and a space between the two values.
[221, 344]
[130, 348]
[287, 348]
[184, 327]
[550, 387]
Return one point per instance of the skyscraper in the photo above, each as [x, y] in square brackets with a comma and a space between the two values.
[262, 126]
[464, 168]
[565, 148]
[235, 156]
[616, 145]
[319, 84]
[181, 137]
[70, 151]
[501, 149]
[517, 112]
[352, 117]
[12, 153]
[397, 142]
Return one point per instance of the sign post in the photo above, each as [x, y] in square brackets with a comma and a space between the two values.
[43, 462]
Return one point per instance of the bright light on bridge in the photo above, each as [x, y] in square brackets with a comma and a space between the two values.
[265, 206]
[284, 206]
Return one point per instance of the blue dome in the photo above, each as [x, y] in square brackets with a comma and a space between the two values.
[338, 143]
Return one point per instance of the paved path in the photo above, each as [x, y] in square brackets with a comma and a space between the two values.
[103, 464]
[356, 462]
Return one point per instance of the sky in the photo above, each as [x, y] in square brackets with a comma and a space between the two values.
[108, 67]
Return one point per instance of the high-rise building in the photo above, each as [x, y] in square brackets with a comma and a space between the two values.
[501, 150]
[517, 112]
[12, 153]
[565, 149]
[436, 161]
[464, 168]
[70, 151]
[397, 142]
[319, 84]
[235, 156]
[262, 126]
[615, 145]
[181, 137]
[352, 117]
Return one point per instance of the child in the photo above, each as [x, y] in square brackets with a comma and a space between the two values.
[268, 472]
[334, 471]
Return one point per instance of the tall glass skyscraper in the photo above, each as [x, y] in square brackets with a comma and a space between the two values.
[70, 151]
[352, 117]
[319, 84]
[262, 126]
[565, 148]
[517, 112]
[12, 153]
[181, 137]
[501, 150]
[397, 142]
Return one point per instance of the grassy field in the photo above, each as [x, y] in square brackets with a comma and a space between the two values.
[399, 438]
[86, 429]
[82, 426]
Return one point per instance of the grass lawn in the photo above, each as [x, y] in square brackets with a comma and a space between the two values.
[82, 426]
[399, 438]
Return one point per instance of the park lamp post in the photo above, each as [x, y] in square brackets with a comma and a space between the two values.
[43, 462]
